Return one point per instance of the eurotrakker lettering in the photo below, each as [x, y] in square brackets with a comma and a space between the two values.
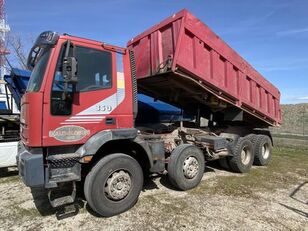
[69, 133]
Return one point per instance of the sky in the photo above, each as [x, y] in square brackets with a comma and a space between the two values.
[272, 35]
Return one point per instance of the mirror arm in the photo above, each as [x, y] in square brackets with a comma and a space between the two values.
[67, 50]
[31, 59]
[64, 94]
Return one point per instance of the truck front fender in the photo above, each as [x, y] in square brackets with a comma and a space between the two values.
[99, 139]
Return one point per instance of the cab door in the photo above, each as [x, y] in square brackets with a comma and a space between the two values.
[74, 112]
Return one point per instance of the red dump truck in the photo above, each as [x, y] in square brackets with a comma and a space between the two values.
[81, 123]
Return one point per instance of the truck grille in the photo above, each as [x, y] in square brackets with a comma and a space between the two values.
[134, 82]
[63, 160]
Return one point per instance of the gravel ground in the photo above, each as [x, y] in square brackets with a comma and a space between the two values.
[246, 205]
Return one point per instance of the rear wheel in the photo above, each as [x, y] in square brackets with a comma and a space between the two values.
[114, 184]
[243, 156]
[252, 138]
[224, 163]
[186, 166]
[263, 150]
[232, 140]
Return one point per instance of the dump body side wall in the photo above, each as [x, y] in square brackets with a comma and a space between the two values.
[198, 52]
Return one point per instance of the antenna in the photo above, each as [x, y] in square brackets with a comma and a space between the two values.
[4, 29]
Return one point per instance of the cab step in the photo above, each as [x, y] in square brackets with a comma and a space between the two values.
[57, 199]
[67, 211]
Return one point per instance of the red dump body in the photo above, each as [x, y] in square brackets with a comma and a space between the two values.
[188, 47]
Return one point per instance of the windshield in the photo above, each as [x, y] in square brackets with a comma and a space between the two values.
[38, 71]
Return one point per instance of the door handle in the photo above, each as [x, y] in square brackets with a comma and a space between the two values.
[110, 121]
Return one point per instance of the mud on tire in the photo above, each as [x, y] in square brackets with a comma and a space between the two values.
[113, 185]
[263, 150]
[243, 156]
[186, 166]
[232, 138]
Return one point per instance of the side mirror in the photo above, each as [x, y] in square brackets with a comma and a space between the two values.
[69, 65]
[70, 69]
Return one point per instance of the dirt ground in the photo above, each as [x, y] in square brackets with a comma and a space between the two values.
[268, 198]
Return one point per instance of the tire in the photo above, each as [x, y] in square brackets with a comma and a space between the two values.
[263, 150]
[105, 176]
[243, 156]
[232, 139]
[4, 171]
[224, 163]
[184, 178]
[252, 138]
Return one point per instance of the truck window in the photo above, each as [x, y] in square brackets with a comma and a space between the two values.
[94, 73]
[38, 72]
[94, 69]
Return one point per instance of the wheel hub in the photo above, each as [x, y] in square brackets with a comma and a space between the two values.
[245, 156]
[190, 167]
[118, 185]
[265, 151]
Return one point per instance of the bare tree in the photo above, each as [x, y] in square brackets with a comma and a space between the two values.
[18, 54]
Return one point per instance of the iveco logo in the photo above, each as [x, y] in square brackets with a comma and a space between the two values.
[69, 133]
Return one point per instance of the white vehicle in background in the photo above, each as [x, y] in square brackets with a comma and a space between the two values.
[12, 88]
[8, 152]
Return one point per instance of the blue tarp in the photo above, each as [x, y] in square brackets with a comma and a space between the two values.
[158, 105]
[17, 83]
[3, 105]
[150, 111]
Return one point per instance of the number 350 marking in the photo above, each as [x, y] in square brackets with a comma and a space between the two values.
[103, 108]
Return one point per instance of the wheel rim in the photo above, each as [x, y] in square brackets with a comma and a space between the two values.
[245, 155]
[265, 151]
[190, 167]
[118, 185]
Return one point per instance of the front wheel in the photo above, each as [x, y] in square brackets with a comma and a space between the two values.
[186, 166]
[114, 184]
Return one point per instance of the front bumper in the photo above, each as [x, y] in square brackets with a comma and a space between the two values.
[31, 167]
[36, 171]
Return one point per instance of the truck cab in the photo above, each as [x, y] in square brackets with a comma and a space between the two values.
[79, 107]
[59, 112]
